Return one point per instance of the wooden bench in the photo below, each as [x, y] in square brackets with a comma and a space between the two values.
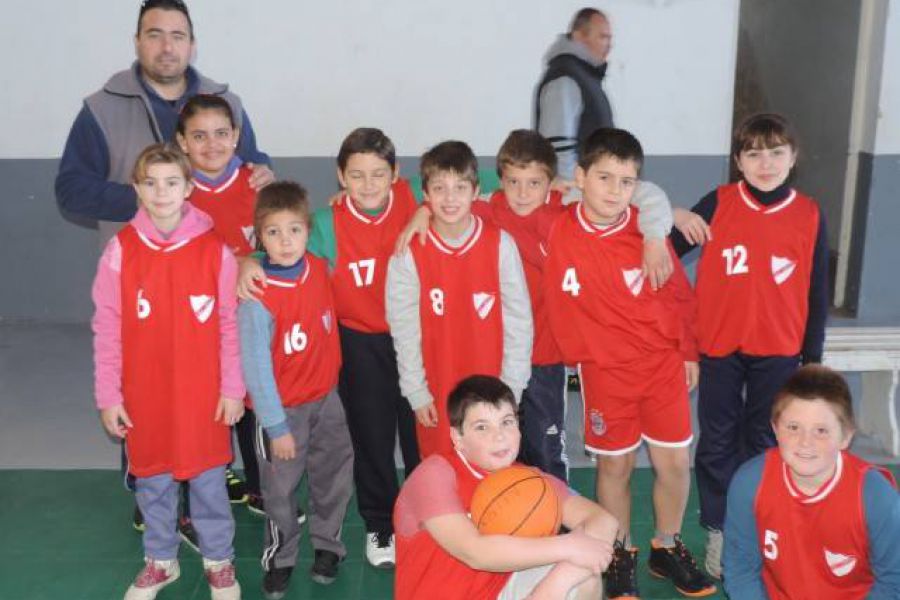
[874, 352]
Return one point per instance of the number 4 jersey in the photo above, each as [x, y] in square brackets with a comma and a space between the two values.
[753, 278]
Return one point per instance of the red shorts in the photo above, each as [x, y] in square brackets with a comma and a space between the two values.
[647, 400]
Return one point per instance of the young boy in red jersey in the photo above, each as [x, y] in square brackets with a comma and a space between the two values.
[762, 301]
[809, 520]
[440, 553]
[458, 304]
[636, 354]
[167, 371]
[291, 357]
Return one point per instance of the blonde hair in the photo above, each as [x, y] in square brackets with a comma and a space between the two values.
[160, 154]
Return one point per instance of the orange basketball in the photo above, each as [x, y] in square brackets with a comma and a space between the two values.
[517, 500]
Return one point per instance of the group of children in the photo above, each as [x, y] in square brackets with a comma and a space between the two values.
[448, 326]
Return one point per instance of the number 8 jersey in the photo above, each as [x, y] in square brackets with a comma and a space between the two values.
[753, 278]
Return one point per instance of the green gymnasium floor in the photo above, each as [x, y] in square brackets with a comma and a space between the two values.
[66, 535]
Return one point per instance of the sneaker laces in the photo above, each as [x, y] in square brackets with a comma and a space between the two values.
[153, 573]
[219, 574]
[685, 558]
[382, 539]
[622, 564]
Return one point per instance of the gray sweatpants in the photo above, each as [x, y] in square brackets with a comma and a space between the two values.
[324, 452]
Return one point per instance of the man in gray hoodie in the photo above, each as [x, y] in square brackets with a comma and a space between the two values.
[571, 103]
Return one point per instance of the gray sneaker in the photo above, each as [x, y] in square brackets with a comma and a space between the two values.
[713, 561]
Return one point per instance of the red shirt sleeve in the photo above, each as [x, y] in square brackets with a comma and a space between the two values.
[429, 492]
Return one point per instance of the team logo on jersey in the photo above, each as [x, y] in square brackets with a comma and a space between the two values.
[840, 564]
[249, 235]
[634, 280]
[202, 306]
[143, 306]
[782, 268]
[598, 425]
[484, 302]
[327, 320]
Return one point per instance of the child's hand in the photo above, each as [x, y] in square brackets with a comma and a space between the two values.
[427, 416]
[260, 176]
[284, 447]
[692, 374]
[588, 552]
[418, 225]
[251, 282]
[229, 410]
[657, 265]
[692, 226]
[116, 421]
[336, 199]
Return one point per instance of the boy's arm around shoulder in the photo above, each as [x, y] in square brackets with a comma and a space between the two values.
[232, 385]
[402, 314]
[741, 559]
[655, 218]
[518, 325]
[256, 331]
[882, 506]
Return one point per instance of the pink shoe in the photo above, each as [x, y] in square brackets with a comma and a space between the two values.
[155, 575]
[222, 582]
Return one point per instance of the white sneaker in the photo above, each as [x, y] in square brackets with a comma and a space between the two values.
[222, 582]
[714, 541]
[380, 549]
[155, 575]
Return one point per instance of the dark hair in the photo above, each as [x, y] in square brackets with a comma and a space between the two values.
[453, 156]
[762, 130]
[160, 154]
[477, 389]
[367, 140]
[523, 147]
[817, 382]
[608, 141]
[276, 197]
[583, 18]
[204, 102]
[165, 5]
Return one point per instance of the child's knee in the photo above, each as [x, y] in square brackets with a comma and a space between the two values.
[671, 462]
[616, 467]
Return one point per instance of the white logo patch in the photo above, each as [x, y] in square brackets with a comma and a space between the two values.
[840, 564]
[202, 306]
[634, 280]
[782, 268]
[249, 235]
[484, 302]
[326, 320]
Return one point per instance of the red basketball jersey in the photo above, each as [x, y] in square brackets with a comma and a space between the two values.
[530, 234]
[425, 570]
[754, 275]
[600, 308]
[814, 547]
[364, 245]
[230, 204]
[171, 378]
[461, 318]
[306, 352]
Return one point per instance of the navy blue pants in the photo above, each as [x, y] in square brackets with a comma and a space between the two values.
[543, 421]
[735, 413]
[377, 415]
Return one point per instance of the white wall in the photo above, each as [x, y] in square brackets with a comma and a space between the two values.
[311, 71]
[887, 137]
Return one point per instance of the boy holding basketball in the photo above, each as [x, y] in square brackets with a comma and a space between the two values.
[441, 554]
[636, 353]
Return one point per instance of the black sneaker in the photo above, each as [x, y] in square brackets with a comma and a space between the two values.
[188, 533]
[275, 582]
[677, 564]
[255, 504]
[573, 382]
[621, 575]
[237, 489]
[325, 567]
[137, 521]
